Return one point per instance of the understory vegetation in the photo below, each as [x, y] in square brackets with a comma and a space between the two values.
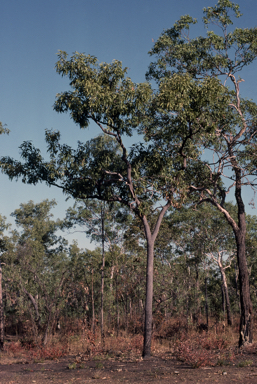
[52, 291]
[173, 339]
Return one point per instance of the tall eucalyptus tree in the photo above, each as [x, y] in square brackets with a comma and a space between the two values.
[229, 133]
[106, 169]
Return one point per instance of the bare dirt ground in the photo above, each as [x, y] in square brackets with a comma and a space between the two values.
[162, 368]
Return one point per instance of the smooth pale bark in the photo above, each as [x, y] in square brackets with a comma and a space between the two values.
[149, 300]
[226, 295]
[150, 238]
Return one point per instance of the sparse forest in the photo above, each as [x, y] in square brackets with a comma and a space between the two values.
[176, 251]
[55, 291]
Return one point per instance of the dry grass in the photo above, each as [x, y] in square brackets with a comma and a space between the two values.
[83, 345]
[198, 347]
[173, 336]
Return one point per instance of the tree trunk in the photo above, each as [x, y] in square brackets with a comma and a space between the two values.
[45, 336]
[93, 304]
[149, 300]
[150, 238]
[223, 300]
[206, 303]
[50, 318]
[126, 312]
[188, 298]
[102, 276]
[246, 319]
[117, 308]
[34, 303]
[197, 309]
[34, 325]
[53, 313]
[226, 296]
[236, 279]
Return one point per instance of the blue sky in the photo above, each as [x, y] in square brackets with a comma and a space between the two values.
[32, 32]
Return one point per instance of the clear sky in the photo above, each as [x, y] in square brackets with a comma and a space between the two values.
[32, 31]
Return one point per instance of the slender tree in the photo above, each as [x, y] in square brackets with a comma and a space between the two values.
[219, 261]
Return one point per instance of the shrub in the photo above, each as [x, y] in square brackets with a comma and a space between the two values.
[203, 350]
